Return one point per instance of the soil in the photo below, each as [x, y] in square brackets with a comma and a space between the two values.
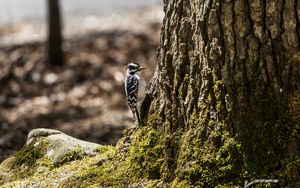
[84, 98]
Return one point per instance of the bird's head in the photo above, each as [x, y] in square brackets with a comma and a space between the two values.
[133, 68]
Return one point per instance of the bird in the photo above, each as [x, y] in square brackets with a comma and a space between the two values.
[135, 89]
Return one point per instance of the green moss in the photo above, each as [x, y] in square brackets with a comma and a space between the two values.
[294, 109]
[30, 153]
[45, 162]
[180, 184]
[105, 149]
[98, 171]
[144, 157]
[2, 179]
[141, 163]
[73, 155]
[101, 174]
[268, 137]
[153, 119]
[154, 183]
[26, 161]
[208, 160]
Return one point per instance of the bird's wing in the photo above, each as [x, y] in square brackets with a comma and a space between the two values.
[131, 87]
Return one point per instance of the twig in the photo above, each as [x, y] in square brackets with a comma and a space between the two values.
[246, 185]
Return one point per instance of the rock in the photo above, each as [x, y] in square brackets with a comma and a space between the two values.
[59, 144]
[49, 158]
[36, 133]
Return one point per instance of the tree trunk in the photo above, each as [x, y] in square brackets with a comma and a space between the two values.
[55, 55]
[227, 89]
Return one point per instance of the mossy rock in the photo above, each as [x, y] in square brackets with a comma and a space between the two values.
[60, 145]
[44, 151]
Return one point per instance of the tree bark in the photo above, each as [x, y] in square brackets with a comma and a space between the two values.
[55, 54]
[228, 80]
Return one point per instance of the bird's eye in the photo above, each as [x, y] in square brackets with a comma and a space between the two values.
[133, 66]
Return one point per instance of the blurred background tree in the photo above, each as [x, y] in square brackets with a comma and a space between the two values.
[85, 97]
[55, 54]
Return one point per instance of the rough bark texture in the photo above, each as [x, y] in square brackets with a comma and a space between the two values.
[229, 70]
[55, 55]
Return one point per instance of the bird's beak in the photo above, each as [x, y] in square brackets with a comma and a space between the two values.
[142, 68]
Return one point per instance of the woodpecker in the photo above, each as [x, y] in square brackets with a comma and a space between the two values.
[135, 89]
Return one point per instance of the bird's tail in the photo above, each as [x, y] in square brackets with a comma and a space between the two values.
[137, 115]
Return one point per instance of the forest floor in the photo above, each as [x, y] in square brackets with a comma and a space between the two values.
[84, 98]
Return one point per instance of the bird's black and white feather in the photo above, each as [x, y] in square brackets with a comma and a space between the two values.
[135, 89]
